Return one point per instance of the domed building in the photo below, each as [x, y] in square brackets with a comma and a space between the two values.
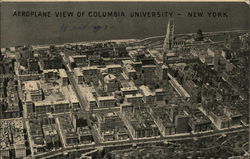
[110, 83]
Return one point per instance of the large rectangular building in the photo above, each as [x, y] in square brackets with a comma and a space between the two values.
[106, 101]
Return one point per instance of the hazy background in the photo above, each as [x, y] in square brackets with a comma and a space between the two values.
[26, 30]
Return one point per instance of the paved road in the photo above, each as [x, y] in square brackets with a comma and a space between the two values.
[144, 141]
[82, 102]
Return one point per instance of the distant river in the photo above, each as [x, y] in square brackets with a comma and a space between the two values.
[84, 21]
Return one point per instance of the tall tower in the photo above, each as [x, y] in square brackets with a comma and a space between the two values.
[169, 39]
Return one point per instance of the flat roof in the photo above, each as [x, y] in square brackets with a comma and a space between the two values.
[130, 68]
[42, 103]
[105, 98]
[89, 68]
[148, 66]
[62, 73]
[138, 95]
[50, 70]
[146, 91]
[65, 101]
[127, 62]
[78, 56]
[114, 66]
[31, 85]
[160, 90]
[78, 71]
[133, 88]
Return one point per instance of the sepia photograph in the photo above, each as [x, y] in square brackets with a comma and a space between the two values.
[124, 79]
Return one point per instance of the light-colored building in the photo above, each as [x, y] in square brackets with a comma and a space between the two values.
[90, 70]
[20, 150]
[148, 95]
[42, 107]
[61, 106]
[110, 83]
[88, 95]
[78, 75]
[129, 90]
[34, 89]
[106, 101]
[79, 60]
[63, 77]
[126, 107]
[129, 69]
[30, 108]
[50, 74]
[114, 69]
[135, 99]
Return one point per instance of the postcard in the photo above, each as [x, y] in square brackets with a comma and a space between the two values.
[124, 79]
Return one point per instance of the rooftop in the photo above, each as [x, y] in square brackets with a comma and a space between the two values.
[11, 128]
[83, 131]
[50, 70]
[62, 73]
[32, 85]
[138, 95]
[114, 66]
[78, 71]
[106, 98]
[199, 117]
[132, 88]
[146, 91]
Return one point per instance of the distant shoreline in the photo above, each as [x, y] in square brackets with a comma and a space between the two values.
[147, 38]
